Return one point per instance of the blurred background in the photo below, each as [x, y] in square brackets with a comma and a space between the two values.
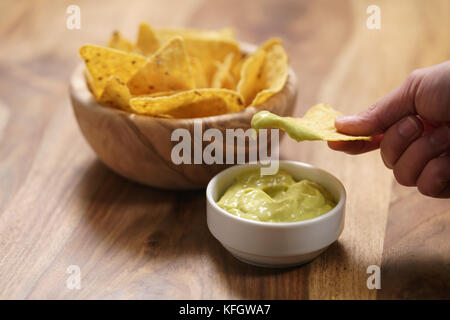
[57, 199]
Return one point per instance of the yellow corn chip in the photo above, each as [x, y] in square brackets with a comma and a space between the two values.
[250, 74]
[116, 94]
[209, 51]
[316, 124]
[236, 68]
[190, 104]
[117, 41]
[183, 73]
[270, 43]
[227, 33]
[273, 74]
[157, 94]
[147, 42]
[168, 69]
[206, 46]
[264, 73]
[223, 78]
[198, 72]
[102, 63]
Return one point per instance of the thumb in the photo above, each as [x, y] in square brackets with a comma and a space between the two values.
[425, 92]
[375, 120]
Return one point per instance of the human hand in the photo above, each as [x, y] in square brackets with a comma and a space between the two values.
[411, 126]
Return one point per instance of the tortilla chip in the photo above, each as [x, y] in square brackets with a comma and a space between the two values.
[168, 69]
[198, 72]
[236, 68]
[119, 42]
[223, 78]
[116, 94]
[208, 46]
[263, 73]
[147, 42]
[274, 73]
[227, 33]
[157, 94]
[270, 43]
[248, 85]
[316, 124]
[102, 63]
[183, 73]
[190, 104]
[209, 51]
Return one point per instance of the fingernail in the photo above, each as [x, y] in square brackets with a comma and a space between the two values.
[440, 136]
[408, 127]
[351, 118]
[341, 118]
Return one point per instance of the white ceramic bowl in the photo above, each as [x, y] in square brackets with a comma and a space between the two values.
[269, 244]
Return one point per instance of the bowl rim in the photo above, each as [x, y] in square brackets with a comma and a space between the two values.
[80, 91]
[338, 208]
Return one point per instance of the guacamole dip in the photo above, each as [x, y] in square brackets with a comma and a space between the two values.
[316, 124]
[275, 198]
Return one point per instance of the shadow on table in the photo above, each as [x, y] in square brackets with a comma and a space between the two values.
[166, 233]
[419, 276]
[134, 217]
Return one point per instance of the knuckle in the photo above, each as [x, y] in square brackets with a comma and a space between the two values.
[426, 189]
[430, 183]
[368, 113]
[414, 75]
[387, 161]
[372, 108]
[412, 84]
[371, 111]
[434, 170]
[437, 168]
[372, 115]
[403, 177]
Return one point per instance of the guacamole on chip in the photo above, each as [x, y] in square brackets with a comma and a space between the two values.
[316, 124]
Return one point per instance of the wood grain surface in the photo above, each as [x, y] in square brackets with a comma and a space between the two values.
[59, 206]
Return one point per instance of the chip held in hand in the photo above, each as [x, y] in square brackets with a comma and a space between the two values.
[316, 124]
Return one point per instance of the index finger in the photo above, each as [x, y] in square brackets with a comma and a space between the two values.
[425, 92]
[356, 147]
[377, 118]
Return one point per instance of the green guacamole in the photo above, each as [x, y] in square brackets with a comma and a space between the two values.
[275, 198]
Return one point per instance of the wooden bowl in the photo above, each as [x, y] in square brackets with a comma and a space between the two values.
[139, 147]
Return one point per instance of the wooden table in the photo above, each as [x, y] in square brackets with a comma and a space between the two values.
[59, 206]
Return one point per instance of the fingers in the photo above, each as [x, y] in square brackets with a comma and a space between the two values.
[434, 181]
[376, 119]
[398, 138]
[356, 147]
[412, 162]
